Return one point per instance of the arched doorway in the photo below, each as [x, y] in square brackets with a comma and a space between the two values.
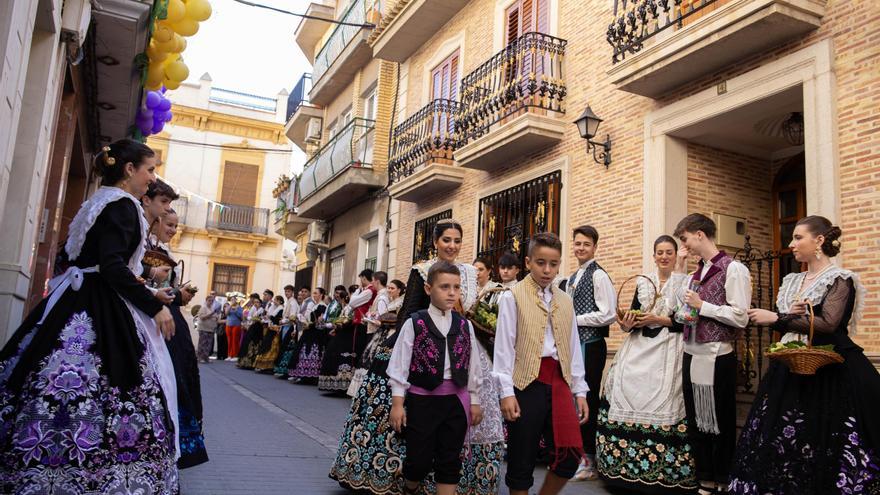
[789, 206]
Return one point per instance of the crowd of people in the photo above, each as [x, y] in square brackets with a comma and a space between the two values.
[100, 384]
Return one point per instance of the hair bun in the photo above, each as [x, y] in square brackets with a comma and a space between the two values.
[832, 243]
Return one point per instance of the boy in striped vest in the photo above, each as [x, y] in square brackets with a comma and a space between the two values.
[714, 307]
[539, 368]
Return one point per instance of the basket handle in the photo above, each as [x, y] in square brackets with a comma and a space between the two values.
[656, 291]
[812, 322]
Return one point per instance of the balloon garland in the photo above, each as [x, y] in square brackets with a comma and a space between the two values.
[163, 67]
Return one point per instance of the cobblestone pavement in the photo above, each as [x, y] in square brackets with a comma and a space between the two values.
[266, 436]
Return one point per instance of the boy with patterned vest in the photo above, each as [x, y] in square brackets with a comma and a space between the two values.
[436, 366]
[712, 308]
[539, 367]
[595, 304]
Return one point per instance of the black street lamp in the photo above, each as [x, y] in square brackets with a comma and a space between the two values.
[588, 126]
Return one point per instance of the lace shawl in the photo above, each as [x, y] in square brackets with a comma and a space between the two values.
[395, 305]
[666, 303]
[87, 216]
[468, 281]
[789, 291]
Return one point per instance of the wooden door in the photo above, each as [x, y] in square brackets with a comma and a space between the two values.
[789, 206]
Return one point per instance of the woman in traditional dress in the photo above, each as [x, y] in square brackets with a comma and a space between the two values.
[288, 344]
[642, 431]
[270, 346]
[183, 354]
[340, 354]
[390, 304]
[252, 325]
[305, 363]
[814, 434]
[87, 392]
[370, 454]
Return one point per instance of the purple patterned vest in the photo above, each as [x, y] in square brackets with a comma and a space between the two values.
[712, 290]
[430, 348]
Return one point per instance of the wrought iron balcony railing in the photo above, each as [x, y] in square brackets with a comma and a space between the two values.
[526, 75]
[350, 147]
[354, 17]
[637, 21]
[428, 134]
[238, 218]
[300, 95]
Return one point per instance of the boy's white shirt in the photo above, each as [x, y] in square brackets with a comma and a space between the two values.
[401, 356]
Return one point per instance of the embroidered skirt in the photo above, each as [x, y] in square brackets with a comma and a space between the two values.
[250, 346]
[341, 356]
[307, 354]
[269, 349]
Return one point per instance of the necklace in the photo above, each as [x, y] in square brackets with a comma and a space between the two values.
[804, 285]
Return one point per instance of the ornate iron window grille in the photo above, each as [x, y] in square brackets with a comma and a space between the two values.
[423, 236]
[427, 135]
[508, 219]
[643, 19]
[526, 75]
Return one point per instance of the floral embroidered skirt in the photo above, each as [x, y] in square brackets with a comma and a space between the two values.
[66, 430]
[812, 435]
[644, 458]
[340, 358]
[285, 354]
[307, 354]
[250, 346]
[269, 350]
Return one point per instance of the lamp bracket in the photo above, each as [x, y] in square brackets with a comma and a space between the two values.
[602, 157]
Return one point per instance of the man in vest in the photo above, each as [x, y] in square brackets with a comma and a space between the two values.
[539, 367]
[595, 305]
[712, 308]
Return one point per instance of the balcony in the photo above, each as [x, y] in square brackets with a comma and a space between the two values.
[511, 105]
[344, 53]
[660, 45]
[340, 174]
[300, 112]
[421, 161]
[312, 28]
[409, 24]
[287, 223]
[237, 218]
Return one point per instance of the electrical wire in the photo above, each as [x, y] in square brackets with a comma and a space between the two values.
[219, 146]
[365, 25]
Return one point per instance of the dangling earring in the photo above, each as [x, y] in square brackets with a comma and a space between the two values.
[818, 252]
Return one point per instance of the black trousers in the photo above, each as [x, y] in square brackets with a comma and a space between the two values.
[222, 345]
[524, 434]
[713, 454]
[435, 429]
[594, 364]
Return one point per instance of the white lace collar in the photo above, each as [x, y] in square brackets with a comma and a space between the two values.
[468, 280]
[646, 294]
[789, 291]
[87, 216]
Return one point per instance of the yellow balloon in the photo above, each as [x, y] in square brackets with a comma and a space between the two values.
[176, 71]
[171, 84]
[186, 27]
[155, 54]
[155, 74]
[198, 10]
[167, 46]
[182, 44]
[163, 33]
[176, 11]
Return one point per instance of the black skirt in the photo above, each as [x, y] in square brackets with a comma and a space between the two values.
[250, 346]
[813, 435]
[189, 393]
[341, 357]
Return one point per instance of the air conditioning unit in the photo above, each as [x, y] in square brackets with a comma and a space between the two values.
[318, 235]
[313, 132]
[75, 18]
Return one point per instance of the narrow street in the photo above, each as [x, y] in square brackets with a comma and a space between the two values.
[266, 436]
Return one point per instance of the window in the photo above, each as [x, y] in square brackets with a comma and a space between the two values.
[444, 79]
[229, 278]
[509, 219]
[526, 16]
[423, 237]
[372, 252]
[370, 102]
[337, 267]
[239, 184]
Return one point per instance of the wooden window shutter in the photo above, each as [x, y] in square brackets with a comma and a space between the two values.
[512, 23]
[453, 78]
[239, 184]
[528, 19]
[543, 16]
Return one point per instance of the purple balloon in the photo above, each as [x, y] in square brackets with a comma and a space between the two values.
[164, 89]
[168, 116]
[158, 116]
[144, 121]
[157, 127]
[145, 129]
[147, 113]
[164, 105]
[153, 99]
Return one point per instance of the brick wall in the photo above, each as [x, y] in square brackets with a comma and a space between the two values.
[612, 200]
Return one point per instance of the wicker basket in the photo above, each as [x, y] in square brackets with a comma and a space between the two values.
[806, 360]
[158, 258]
[622, 312]
[470, 314]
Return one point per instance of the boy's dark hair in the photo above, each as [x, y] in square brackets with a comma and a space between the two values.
[270, 292]
[367, 274]
[307, 288]
[160, 188]
[545, 239]
[381, 277]
[696, 222]
[353, 288]
[254, 296]
[508, 260]
[587, 231]
[441, 267]
[290, 288]
[322, 291]
[340, 288]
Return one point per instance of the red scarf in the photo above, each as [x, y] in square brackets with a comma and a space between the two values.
[567, 438]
